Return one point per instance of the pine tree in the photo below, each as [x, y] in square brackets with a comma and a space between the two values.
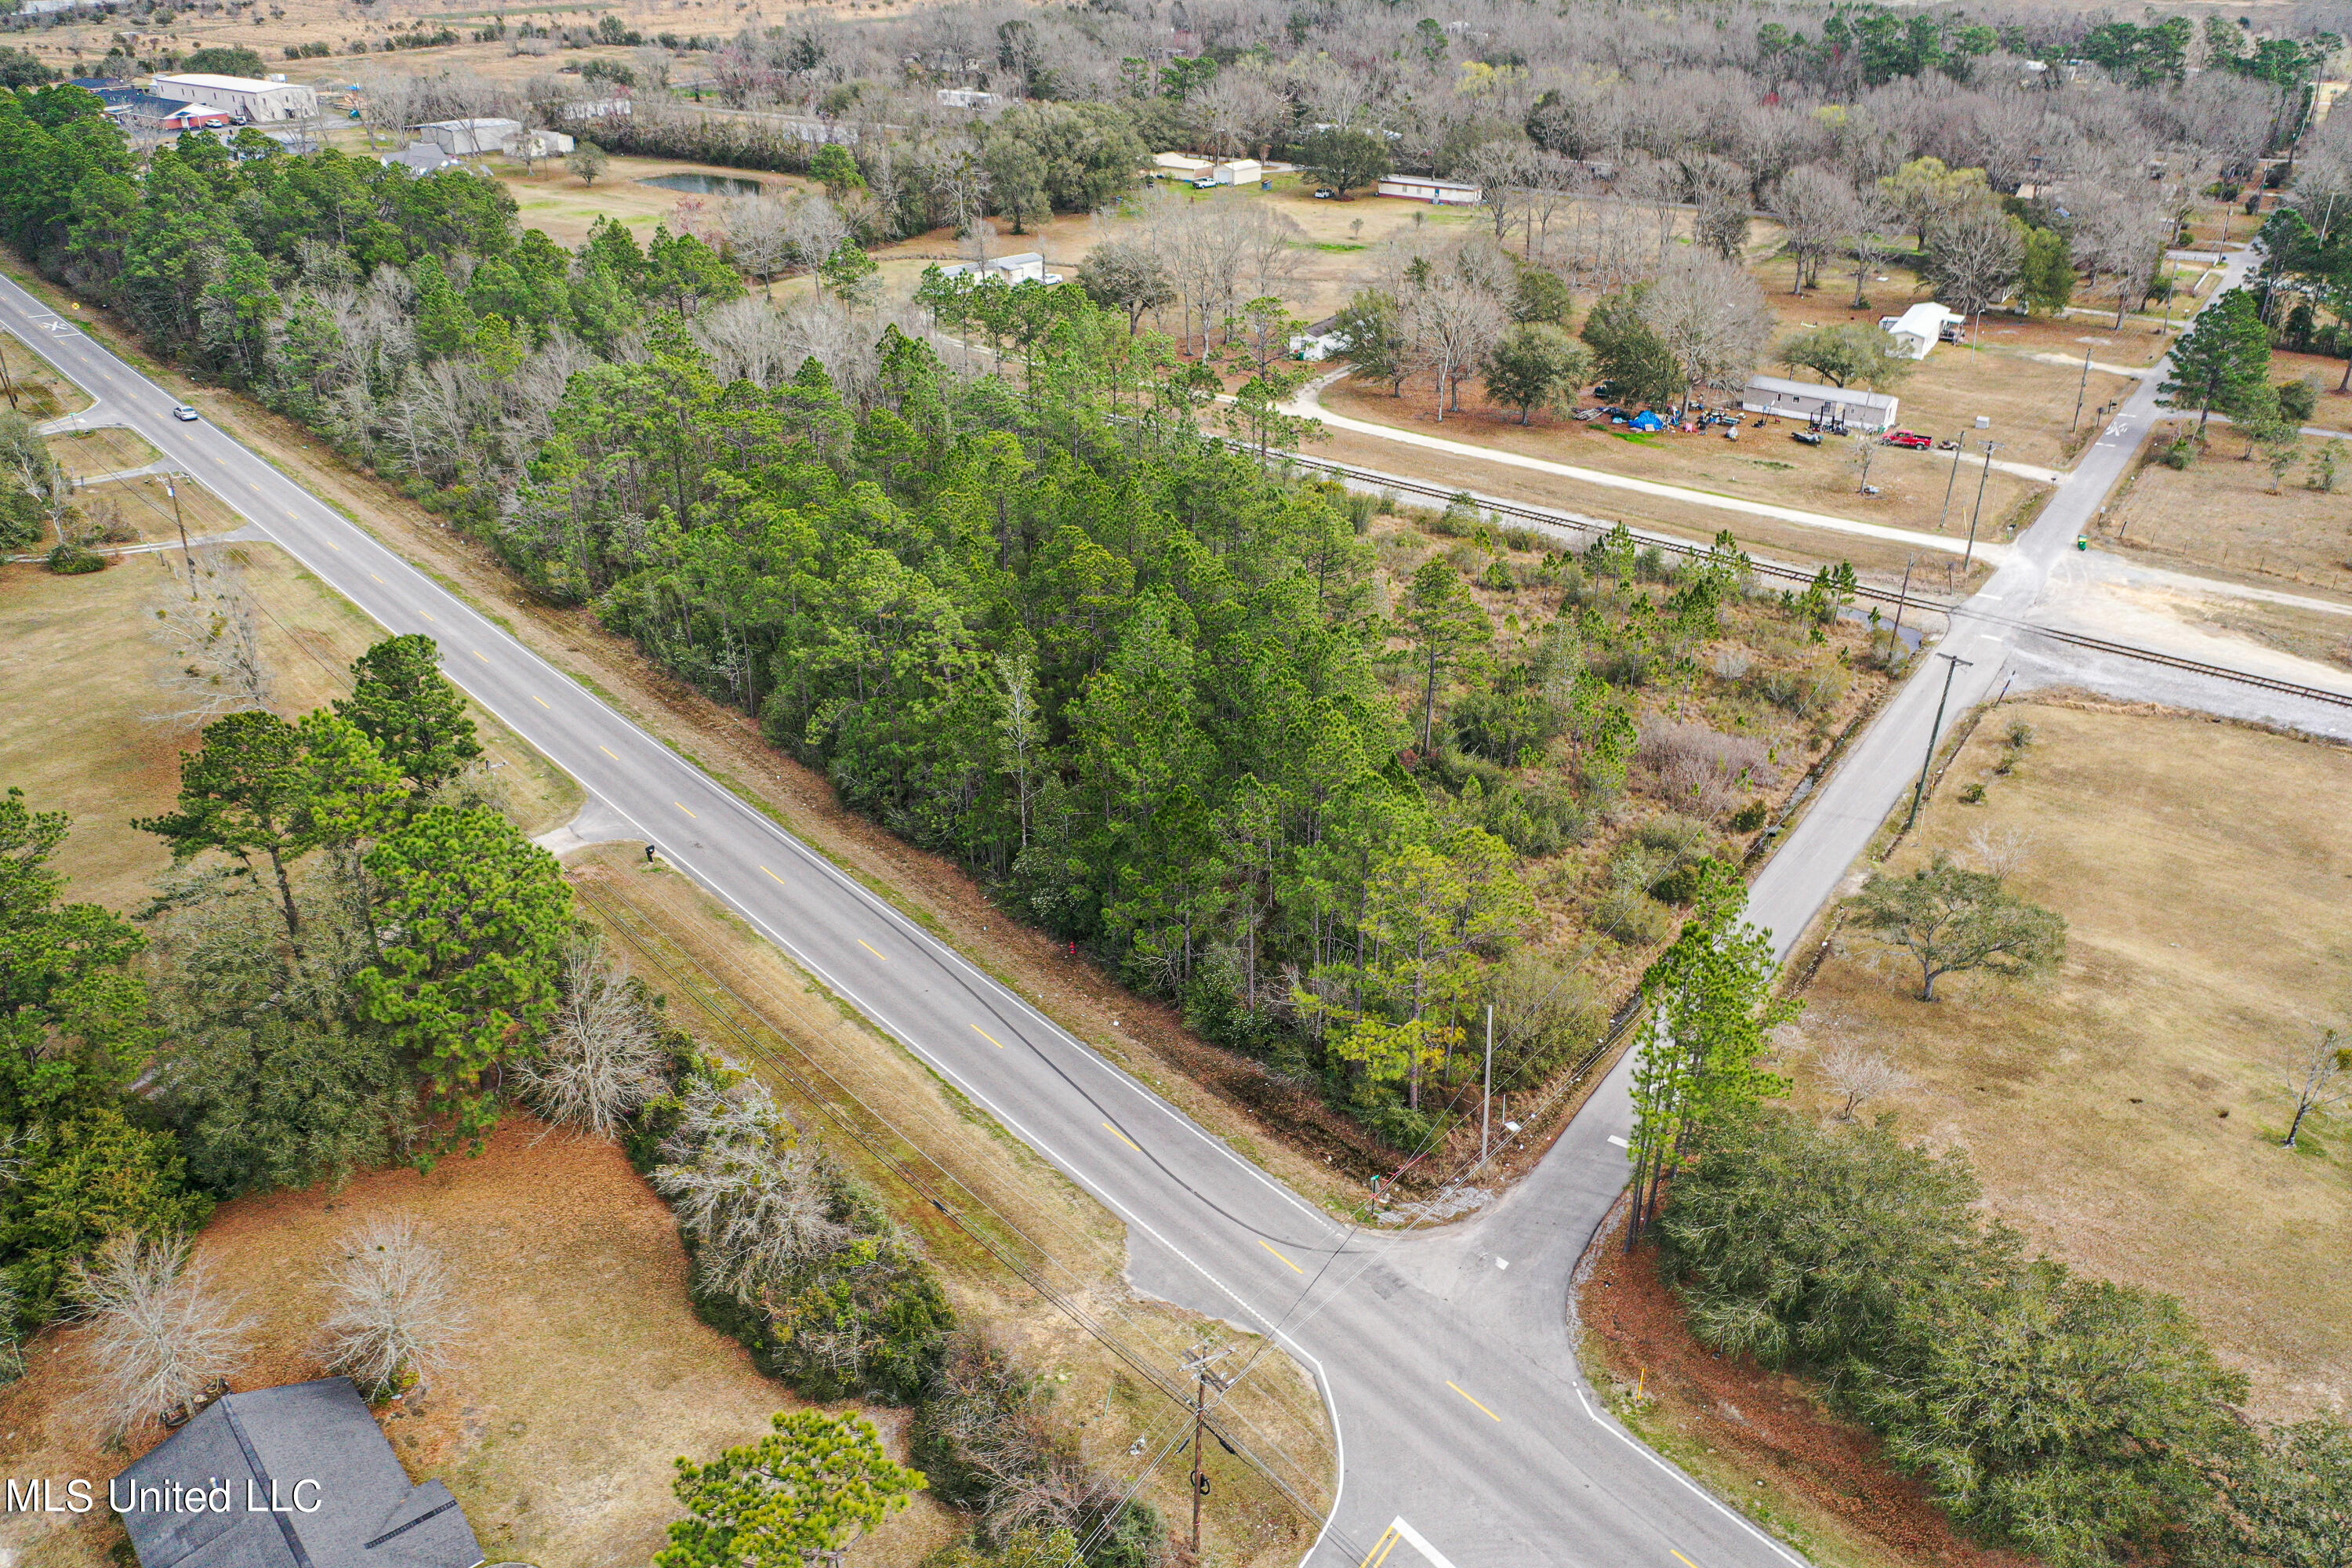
[2223, 356]
[402, 702]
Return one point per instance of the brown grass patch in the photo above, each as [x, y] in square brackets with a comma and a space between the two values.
[2123, 1113]
[2218, 512]
[78, 689]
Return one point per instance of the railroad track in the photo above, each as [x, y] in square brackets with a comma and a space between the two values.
[2217, 671]
[1579, 525]
[1594, 527]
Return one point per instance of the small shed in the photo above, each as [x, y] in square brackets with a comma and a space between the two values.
[1238, 171]
[1429, 188]
[1820, 402]
[294, 1477]
[1922, 327]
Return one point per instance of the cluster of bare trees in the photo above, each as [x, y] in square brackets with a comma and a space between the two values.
[162, 1335]
[603, 1059]
[210, 627]
[752, 1191]
[1214, 257]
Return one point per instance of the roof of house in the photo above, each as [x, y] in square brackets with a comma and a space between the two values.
[1853, 397]
[305, 1445]
[1430, 180]
[421, 157]
[1926, 317]
[488, 124]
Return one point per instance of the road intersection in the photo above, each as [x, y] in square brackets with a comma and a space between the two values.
[1465, 1434]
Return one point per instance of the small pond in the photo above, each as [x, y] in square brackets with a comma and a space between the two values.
[705, 185]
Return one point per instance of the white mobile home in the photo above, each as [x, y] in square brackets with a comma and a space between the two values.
[1820, 402]
[1435, 192]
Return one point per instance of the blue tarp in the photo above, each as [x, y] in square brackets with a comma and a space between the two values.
[1645, 420]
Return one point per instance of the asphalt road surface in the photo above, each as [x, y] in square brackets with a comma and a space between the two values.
[1467, 1436]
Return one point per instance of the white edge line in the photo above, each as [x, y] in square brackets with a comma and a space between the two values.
[1721, 1507]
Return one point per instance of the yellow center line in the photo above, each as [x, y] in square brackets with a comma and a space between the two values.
[1269, 1247]
[332, 545]
[681, 805]
[1123, 1138]
[481, 655]
[427, 614]
[616, 757]
[1685, 1562]
[1381, 1549]
[378, 578]
[992, 1039]
[771, 874]
[543, 701]
[874, 950]
[1490, 1415]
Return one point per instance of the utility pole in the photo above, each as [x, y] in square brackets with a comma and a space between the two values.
[1919, 791]
[7, 382]
[2081, 389]
[1959, 449]
[1486, 1105]
[1198, 1360]
[1903, 594]
[1991, 448]
[187, 555]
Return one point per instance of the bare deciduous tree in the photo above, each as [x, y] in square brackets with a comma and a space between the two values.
[758, 236]
[1812, 205]
[602, 1061]
[754, 1195]
[1860, 1075]
[396, 1313]
[213, 633]
[1711, 316]
[159, 1330]
[2002, 851]
[2318, 1073]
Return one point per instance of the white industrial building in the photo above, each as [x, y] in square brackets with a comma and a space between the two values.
[256, 100]
[967, 97]
[1922, 327]
[1819, 403]
[1428, 188]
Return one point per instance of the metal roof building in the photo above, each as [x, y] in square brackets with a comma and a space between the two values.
[1821, 403]
[295, 1477]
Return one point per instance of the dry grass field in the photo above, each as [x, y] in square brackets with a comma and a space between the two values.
[2219, 512]
[79, 696]
[42, 394]
[2125, 1113]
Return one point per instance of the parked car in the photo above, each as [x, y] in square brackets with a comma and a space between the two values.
[1910, 440]
[1325, 194]
[1808, 437]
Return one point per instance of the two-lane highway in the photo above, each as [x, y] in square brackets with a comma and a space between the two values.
[1459, 1445]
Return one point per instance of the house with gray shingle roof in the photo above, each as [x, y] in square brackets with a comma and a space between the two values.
[295, 1477]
